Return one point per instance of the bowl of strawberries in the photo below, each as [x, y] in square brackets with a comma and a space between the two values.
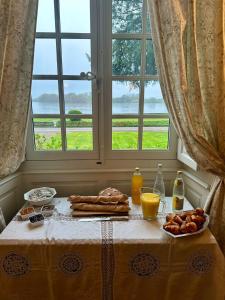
[186, 223]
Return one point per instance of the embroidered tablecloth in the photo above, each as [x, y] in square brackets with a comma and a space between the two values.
[108, 260]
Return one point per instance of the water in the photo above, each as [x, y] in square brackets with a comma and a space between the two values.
[40, 107]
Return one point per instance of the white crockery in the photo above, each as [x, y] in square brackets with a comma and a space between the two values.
[40, 196]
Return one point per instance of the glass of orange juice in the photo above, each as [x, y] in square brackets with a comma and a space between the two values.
[150, 200]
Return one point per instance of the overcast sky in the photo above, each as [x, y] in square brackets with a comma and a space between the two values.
[75, 17]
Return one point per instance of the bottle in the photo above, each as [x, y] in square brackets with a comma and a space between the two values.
[136, 184]
[178, 193]
[159, 183]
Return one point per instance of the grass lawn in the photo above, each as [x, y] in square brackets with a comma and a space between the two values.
[148, 122]
[120, 141]
[79, 141]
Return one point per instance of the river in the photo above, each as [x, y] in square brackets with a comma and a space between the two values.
[118, 108]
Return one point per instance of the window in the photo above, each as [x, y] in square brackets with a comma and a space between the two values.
[95, 89]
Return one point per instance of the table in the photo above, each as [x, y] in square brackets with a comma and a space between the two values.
[111, 260]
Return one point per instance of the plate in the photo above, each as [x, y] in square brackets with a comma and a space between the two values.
[205, 225]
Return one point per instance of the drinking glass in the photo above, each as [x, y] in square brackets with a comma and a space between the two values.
[150, 200]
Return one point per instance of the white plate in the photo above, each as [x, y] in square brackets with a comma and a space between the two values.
[205, 225]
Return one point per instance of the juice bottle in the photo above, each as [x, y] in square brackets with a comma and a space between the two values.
[136, 184]
[178, 192]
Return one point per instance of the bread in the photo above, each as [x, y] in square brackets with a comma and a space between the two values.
[110, 192]
[185, 222]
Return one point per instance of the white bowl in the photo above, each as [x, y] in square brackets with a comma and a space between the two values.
[42, 200]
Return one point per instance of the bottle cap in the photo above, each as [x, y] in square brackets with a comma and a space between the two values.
[137, 169]
[179, 172]
[159, 165]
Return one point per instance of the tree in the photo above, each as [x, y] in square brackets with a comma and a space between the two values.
[74, 112]
[126, 54]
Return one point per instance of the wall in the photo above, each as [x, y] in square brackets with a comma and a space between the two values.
[197, 185]
[68, 177]
[11, 195]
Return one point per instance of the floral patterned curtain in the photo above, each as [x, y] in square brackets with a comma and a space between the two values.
[188, 38]
[17, 33]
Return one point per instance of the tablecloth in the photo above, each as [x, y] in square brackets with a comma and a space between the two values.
[108, 260]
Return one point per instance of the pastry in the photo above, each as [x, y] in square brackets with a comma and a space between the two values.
[199, 211]
[191, 227]
[110, 192]
[185, 222]
[178, 219]
[175, 229]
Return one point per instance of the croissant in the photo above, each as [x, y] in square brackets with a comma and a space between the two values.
[191, 227]
[199, 220]
[175, 229]
[170, 217]
[183, 228]
[185, 222]
[188, 219]
[199, 211]
[171, 222]
[185, 214]
[178, 220]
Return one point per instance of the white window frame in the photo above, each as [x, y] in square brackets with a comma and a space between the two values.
[57, 36]
[184, 157]
[169, 153]
[101, 52]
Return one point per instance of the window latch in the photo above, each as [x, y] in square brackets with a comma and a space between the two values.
[87, 76]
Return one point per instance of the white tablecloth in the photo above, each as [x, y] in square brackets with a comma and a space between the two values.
[70, 259]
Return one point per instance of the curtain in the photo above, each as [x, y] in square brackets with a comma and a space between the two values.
[17, 33]
[188, 39]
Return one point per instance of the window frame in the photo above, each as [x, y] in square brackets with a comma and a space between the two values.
[169, 153]
[101, 53]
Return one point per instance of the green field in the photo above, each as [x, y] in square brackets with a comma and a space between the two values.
[47, 122]
[120, 141]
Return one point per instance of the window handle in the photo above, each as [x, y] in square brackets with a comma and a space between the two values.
[87, 76]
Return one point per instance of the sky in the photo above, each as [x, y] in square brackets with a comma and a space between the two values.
[75, 17]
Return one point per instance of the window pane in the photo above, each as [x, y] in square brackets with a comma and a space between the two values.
[78, 96]
[79, 134]
[127, 15]
[126, 57]
[125, 97]
[148, 24]
[47, 133]
[75, 16]
[46, 17]
[45, 57]
[124, 134]
[150, 59]
[76, 56]
[45, 97]
[153, 99]
[155, 134]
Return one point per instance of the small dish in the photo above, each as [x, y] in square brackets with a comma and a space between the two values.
[204, 226]
[40, 196]
[36, 220]
[48, 209]
[26, 212]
